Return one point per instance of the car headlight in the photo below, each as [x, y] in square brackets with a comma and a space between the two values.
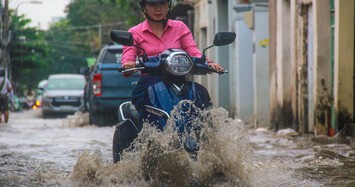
[178, 63]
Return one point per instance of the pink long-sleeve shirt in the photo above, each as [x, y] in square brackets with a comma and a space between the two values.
[176, 35]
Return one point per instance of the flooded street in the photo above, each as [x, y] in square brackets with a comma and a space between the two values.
[36, 151]
[68, 152]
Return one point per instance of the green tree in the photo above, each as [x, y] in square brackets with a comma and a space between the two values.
[84, 31]
[68, 43]
[65, 55]
[131, 10]
[27, 54]
[98, 17]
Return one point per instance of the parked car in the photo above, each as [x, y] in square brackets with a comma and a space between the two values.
[106, 89]
[63, 94]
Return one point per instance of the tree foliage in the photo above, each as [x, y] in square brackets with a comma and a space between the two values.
[69, 42]
[28, 53]
[99, 17]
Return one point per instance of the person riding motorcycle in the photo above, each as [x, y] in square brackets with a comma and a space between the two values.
[156, 34]
[5, 89]
[30, 99]
[159, 88]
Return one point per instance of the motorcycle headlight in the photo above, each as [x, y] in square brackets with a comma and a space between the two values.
[178, 63]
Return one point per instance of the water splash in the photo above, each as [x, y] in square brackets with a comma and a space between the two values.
[158, 158]
[78, 119]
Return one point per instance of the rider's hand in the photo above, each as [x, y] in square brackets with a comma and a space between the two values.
[215, 66]
[128, 65]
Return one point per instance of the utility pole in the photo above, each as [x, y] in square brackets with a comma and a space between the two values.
[5, 38]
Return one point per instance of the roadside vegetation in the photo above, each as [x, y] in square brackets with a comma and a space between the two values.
[69, 43]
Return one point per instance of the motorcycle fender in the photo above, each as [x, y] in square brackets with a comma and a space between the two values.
[124, 135]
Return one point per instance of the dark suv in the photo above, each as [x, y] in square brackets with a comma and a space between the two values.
[106, 89]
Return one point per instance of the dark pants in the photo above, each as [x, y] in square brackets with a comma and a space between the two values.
[139, 94]
[4, 102]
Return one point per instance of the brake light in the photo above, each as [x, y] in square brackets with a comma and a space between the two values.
[96, 84]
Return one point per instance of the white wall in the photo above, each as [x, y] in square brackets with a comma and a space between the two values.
[243, 69]
[261, 68]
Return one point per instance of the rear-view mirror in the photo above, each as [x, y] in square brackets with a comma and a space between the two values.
[122, 37]
[224, 38]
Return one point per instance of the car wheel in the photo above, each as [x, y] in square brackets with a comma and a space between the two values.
[96, 118]
[86, 105]
[87, 94]
[102, 118]
[45, 115]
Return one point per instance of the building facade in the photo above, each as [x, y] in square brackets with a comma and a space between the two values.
[292, 65]
[244, 92]
[312, 55]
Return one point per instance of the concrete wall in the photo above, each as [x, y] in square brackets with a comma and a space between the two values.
[308, 27]
[232, 24]
[300, 43]
[281, 82]
[223, 55]
[310, 67]
[322, 67]
[244, 92]
[205, 29]
[272, 61]
[294, 63]
[202, 30]
[244, 72]
[243, 67]
[344, 62]
[232, 91]
[299, 64]
[261, 67]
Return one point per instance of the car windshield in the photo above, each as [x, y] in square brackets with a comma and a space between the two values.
[66, 84]
[113, 56]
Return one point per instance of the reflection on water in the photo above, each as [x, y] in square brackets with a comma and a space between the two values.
[68, 152]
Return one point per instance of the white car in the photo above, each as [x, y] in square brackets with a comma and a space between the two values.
[63, 94]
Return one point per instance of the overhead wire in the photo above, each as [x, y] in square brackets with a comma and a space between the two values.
[73, 56]
[52, 41]
[90, 34]
[88, 27]
[68, 47]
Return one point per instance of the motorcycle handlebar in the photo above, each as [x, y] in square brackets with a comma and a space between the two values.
[123, 70]
[120, 69]
[139, 67]
[215, 71]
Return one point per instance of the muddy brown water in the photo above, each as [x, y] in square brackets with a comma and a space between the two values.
[69, 152]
